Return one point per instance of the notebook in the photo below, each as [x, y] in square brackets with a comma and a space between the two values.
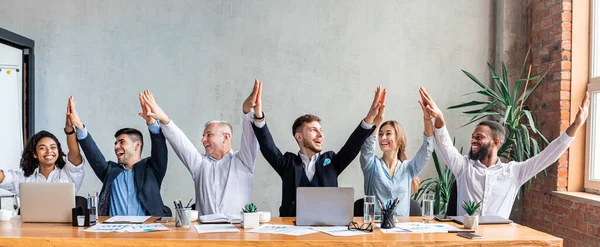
[220, 218]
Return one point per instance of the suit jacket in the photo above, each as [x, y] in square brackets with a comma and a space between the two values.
[289, 166]
[148, 174]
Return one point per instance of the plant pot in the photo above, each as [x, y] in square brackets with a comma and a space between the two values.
[471, 222]
[250, 220]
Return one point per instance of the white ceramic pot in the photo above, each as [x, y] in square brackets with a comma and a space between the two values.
[471, 222]
[251, 220]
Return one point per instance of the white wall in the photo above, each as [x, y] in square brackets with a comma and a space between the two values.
[200, 59]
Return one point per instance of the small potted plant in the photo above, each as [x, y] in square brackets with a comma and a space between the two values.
[471, 220]
[251, 216]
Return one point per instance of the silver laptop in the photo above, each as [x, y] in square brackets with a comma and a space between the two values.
[47, 202]
[324, 206]
[483, 220]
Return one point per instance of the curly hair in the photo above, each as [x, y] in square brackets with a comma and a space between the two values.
[28, 161]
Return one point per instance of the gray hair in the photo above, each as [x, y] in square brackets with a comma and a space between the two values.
[221, 124]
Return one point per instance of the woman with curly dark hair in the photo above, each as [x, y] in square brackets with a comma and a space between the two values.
[43, 161]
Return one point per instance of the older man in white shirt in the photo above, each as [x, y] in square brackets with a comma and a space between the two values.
[222, 177]
[481, 176]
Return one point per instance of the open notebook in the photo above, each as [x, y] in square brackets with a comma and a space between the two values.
[220, 218]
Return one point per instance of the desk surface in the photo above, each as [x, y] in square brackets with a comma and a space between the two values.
[15, 233]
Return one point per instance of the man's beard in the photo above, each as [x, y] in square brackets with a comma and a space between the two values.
[307, 144]
[481, 153]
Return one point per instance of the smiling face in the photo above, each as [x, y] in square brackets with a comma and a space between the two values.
[481, 142]
[126, 149]
[216, 139]
[310, 136]
[46, 151]
[388, 140]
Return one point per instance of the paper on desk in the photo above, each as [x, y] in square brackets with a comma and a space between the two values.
[127, 219]
[108, 228]
[146, 228]
[283, 229]
[220, 218]
[206, 228]
[339, 231]
[417, 227]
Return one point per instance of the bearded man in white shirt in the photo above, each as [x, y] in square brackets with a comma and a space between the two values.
[481, 176]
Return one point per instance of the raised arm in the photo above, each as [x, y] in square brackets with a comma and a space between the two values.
[74, 155]
[88, 145]
[159, 153]
[453, 159]
[418, 162]
[183, 147]
[367, 150]
[249, 146]
[529, 168]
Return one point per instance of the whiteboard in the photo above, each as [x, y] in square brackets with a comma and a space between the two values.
[11, 107]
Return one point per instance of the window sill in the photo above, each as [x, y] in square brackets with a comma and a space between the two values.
[584, 197]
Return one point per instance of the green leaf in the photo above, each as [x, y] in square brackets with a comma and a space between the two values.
[500, 85]
[485, 87]
[470, 103]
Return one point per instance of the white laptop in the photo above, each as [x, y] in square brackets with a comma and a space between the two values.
[324, 206]
[47, 202]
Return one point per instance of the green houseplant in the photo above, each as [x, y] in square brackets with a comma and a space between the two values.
[251, 216]
[471, 220]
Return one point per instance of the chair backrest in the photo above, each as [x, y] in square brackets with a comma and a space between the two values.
[359, 207]
[415, 208]
[168, 211]
[451, 209]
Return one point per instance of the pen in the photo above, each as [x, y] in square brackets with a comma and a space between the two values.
[188, 205]
[459, 231]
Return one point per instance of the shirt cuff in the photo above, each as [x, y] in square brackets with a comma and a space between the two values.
[366, 125]
[154, 128]
[257, 124]
[564, 138]
[82, 134]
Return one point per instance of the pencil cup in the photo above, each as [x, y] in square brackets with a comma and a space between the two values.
[388, 219]
[182, 219]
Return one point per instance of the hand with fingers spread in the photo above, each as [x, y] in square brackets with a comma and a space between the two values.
[72, 114]
[581, 116]
[254, 101]
[152, 109]
[378, 101]
[145, 109]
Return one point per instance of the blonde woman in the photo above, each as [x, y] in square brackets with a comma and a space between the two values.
[390, 176]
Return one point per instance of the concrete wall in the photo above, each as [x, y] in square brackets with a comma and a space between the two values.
[200, 58]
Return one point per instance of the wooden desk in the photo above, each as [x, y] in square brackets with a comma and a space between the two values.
[15, 233]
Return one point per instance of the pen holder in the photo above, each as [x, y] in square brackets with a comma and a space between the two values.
[387, 219]
[182, 219]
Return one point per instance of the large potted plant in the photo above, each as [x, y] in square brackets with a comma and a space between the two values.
[441, 186]
[251, 216]
[471, 219]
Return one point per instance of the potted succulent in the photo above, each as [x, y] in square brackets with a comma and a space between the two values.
[471, 220]
[251, 216]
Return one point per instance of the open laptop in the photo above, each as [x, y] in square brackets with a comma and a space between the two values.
[47, 202]
[483, 220]
[324, 206]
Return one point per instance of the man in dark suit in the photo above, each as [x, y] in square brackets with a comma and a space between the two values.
[130, 186]
[309, 167]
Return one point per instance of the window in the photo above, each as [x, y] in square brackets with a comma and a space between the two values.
[592, 174]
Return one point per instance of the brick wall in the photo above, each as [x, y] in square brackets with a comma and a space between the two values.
[549, 34]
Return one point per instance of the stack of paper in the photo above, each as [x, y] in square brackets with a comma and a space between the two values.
[126, 228]
[206, 228]
[220, 218]
[127, 219]
[339, 231]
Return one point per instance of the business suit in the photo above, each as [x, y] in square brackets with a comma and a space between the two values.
[290, 167]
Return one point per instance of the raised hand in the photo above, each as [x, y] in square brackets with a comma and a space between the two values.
[376, 105]
[68, 124]
[581, 116]
[428, 104]
[145, 109]
[152, 108]
[254, 100]
[72, 114]
[381, 112]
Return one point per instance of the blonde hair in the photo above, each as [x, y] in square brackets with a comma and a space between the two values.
[400, 138]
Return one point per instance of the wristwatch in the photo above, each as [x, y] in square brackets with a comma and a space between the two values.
[69, 133]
